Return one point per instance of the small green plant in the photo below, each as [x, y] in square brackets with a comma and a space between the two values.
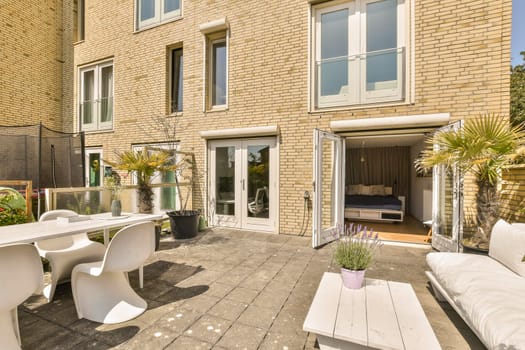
[113, 184]
[355, 247]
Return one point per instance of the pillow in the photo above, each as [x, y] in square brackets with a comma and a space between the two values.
[352, 189]
[364, 190]
[507, 245]
[377, 190]
[388, 191]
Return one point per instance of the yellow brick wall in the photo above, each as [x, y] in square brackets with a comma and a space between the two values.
[462, 58]
[512, 195]
[32, 63]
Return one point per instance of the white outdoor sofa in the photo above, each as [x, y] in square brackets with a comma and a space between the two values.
[488, 292]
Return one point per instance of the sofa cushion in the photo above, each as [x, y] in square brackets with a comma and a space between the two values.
[488, 294]
[507, 245]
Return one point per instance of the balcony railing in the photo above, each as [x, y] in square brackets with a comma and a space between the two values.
[377, 76]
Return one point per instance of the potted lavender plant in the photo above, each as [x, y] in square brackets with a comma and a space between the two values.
[354, 252]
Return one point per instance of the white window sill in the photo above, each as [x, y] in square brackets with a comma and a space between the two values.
[360, 106]
[218, 109]
[103, 131]
[154, 25]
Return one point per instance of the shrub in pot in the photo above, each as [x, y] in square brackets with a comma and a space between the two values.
[354, 251]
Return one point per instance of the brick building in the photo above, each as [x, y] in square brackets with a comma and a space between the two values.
[250, 82]
[36, 66]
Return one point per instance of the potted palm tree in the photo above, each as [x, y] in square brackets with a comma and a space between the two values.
[144, 164]
[483, 147]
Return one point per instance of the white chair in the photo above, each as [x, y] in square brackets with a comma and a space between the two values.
[65, 252]
[101, 289]
[21, 275]
[257, 205]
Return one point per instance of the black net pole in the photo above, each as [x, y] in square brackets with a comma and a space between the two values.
[39, 157]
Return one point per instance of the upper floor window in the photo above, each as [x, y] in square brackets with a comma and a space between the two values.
[176, 68]
[78, 20]
[218, 87]
[359, 53]
[153, 12]
[96, 97]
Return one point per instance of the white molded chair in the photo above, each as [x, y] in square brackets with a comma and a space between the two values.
[257, 205]
[101, 289]
[21, 275]
[65, 252]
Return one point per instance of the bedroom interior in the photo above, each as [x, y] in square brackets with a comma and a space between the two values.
[382, 188]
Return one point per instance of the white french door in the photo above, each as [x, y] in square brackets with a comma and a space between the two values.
[447, 204]
[328, 204]
[244, 183]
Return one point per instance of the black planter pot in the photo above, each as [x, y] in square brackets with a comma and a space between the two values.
[184, 224]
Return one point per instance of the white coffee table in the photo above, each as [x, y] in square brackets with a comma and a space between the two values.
[380, 315]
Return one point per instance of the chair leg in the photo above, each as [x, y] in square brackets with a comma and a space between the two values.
[8, 334]
[49, 290]
[107, 298]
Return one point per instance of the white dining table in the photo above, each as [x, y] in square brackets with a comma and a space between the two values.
[38, 231]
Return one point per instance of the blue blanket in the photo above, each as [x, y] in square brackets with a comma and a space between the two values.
[372, 202]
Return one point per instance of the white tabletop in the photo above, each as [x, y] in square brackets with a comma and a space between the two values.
[36, 231]
[380, 315]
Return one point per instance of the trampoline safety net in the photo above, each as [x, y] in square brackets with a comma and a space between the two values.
[49, 158]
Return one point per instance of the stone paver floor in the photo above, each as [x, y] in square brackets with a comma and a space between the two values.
[229, 289]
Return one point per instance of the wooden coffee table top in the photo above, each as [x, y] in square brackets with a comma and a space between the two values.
[382, 314]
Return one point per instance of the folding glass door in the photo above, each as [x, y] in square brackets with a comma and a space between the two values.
[243, 183]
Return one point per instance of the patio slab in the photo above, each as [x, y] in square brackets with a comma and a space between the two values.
[229, 289]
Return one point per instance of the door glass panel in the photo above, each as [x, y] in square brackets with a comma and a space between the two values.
[381, 42]
[334, 53]
[328, 196]
[168, 194]
[106, 94]
[225, 180]
[258, 180]
[445, 206]
[94, 169]
[147, 9]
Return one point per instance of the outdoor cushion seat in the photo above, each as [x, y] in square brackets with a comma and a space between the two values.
[65, 252]
[21, 275]
[485, 292]
[101, 289]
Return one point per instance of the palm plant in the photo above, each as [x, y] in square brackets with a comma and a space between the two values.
[484, 147]
[144, 163]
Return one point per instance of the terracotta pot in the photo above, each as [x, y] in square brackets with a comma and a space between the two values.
[352, 279]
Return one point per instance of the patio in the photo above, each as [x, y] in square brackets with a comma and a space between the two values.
[229, 289]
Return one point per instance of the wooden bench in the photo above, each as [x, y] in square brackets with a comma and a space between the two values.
[381, 315]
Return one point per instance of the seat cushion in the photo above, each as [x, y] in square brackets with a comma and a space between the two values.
[507, 245]
[489, 295]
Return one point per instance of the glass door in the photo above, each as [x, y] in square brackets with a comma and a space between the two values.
[243, 183]
[447, 204]
[328, 209]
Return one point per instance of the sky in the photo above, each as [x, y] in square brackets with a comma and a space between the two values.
[518, 31]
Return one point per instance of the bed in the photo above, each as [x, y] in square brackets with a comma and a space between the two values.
[374, 203]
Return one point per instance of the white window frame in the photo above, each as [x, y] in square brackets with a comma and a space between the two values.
[220, 37]
[97, 124]
[87, 153]
[159, 17]
[356, 93]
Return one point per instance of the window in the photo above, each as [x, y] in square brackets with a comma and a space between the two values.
[217, 72]
[96, 97]
[176, 68]
[359, 53]
[154, 12]
[78, 20]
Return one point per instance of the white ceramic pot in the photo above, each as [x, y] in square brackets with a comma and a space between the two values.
[353, 279]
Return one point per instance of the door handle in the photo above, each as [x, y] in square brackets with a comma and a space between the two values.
[242, 184]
